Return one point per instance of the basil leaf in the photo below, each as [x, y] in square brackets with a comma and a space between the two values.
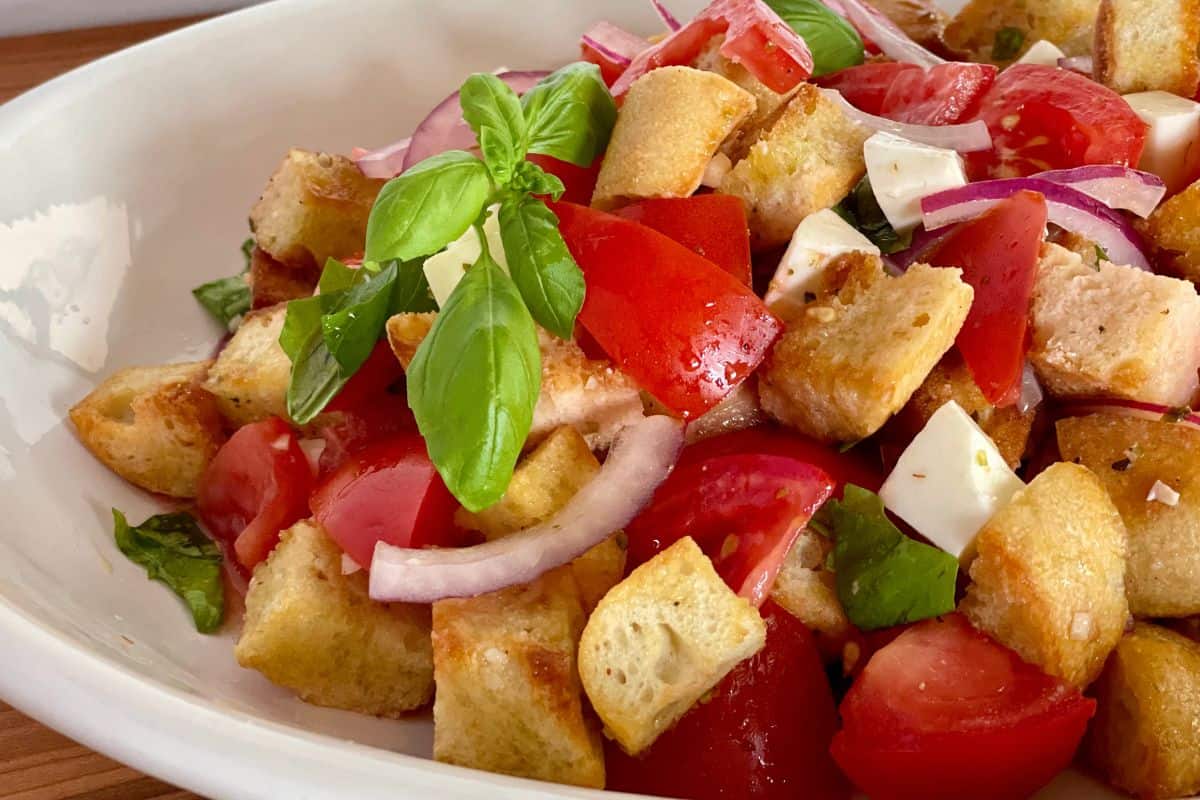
[316, 375]
[473, 383]
[412, 288]
[493, 111]
[248, 250]
[861, 209]
[227, 299]
[336, 276]
[550, 281]
[532, 179]
[883, 577]
[832, 40]
[1007, 43]
[176, 552]
[352, 326]
[426, 208]
[570, 114]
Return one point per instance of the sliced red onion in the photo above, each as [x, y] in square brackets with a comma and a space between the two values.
[1115, 186]
[665, 15]
[1084, 65]
[1067, 207]
[614, 43]
[1133, 408]
[1031, 391]
[872, 25]
[386, 162]
[313, 449]
[966, 138]
[640, 460]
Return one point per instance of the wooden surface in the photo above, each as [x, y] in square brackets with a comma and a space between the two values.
[36, 763]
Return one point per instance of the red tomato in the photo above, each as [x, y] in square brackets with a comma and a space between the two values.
[941, 95]
[755, 37]
[256, 485]
[580, 182]
[372, 406]
[610, 70]
[1048, 118]
[687, 331]
[945, 712]
[866, 86]
[389, 492]
[763, 735]
[998, 254]
[377, 374]
[711, 225]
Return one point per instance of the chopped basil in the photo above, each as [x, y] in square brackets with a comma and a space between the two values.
[1007, 44]
[833, 42]
[570, 114]
[861, 209]
[227, 299]
[493, 111]
[541, 266]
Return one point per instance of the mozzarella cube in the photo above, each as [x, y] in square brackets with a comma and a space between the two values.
[445, 269]
[816, 242]
[903, 172]
[1172, 152]
[1043, 53]
[950, 481]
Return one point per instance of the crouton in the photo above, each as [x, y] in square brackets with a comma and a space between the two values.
[671, 124]
[1130, 456]
[923, 21]
[1114, 331]
[153, 426]
[1048, 577]
[805, 588]
[251, 375]
[1148, 45]
[1070, 24]
[1173, 230]
[314, 207]
[1145, 737]
[850, 362]
[273, 282]
[316, 631]
[659, 640]
[809, 159]
[768, 103]
[590, 396]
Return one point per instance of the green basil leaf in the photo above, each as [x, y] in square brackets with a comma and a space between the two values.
[548, 278]
[1007, 43]
[337, 276]
[412, 288]
[174, 550]
[493, 111]
[883, 577]
[532, 179]
[832, 40]
[227, 299]
[248, 250]
[473, 384]
[426, 208]
[570, 114]
[861, 209]
[352, 326]
[316, 375]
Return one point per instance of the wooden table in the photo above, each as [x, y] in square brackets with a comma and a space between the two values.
[35, 762]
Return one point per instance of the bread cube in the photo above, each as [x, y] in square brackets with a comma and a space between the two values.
[1130, 456]
[1070, 24]
[314, 207]
[1148, 45]
[659, 640]
[850, 362]
[1145, 737]
[153, 426]
[1048, 577]
[316, 631]
[273, 282]
[922, 20]
[251, 375]
[809, 159]
[1174, 232]
[670, 126]
[768, 103]
[805, 588]
[1114, 331]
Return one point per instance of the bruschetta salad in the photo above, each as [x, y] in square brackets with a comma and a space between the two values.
[794, 404]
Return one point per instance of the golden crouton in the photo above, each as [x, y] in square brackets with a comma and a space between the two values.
[1148, 45]
[153, 426]
[317, 632]
[671, 125]
[315, 207]
[1174, 232]
[251, 375]
[1146, 734]
[1048, 580]
[809, 159]
[805, 588]
[923, 21]
[1114, 331]
[273, 282]
[659, 640]
[1130, 456]
[1067, 23]
[768, 103]
[850, 362]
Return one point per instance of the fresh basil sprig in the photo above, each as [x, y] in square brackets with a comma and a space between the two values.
[228, 299]
[861, 210]
[541, 266]
[569, 114]
[833, 42]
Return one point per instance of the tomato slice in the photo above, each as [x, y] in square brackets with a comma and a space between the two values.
[579, 182]
[998, 254]
[256, 485]
[710, 225]
[866, 85]
[940, 95]
[687, 331]
[945, 712]
[610, 70]
[763, 735]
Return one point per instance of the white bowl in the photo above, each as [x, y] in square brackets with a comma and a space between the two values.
[125, 184]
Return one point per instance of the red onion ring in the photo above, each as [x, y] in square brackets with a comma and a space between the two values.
[923, 243]
[665, 15]
[892, 42]
[1132, 408]
[614, 43]
[969, 137]
[1113, 185]
[640, 460]
[386, 162]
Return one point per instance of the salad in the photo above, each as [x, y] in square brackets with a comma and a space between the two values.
[794, 403]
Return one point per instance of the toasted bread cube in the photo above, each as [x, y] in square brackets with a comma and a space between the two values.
[1113, 332]
[1049, 574]
[809, 159]
[1174, 231]
[923, 20]
[1070, 24]
[273, 282]
[314, 207]
[1145, 737]
[251, 375]
[769, 104]
[659, 640]
[805, 588]
[852, 361]
[1130, 456]
[153, 426]
[316, 631]
[671, 125]
[1147, 45]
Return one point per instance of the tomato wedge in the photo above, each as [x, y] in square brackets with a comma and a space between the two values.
[945, 712]
[610, 70]
[763, 735]
[579, 182]
[256, 485]
[998, 254]
[710, 225]
[940, 95]
[866, 86]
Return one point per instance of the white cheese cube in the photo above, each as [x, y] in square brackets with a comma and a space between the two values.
[903, 172]
[816, 242]
[950, 481]
[1172, 152]
[1043, 53]
[445, 269]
